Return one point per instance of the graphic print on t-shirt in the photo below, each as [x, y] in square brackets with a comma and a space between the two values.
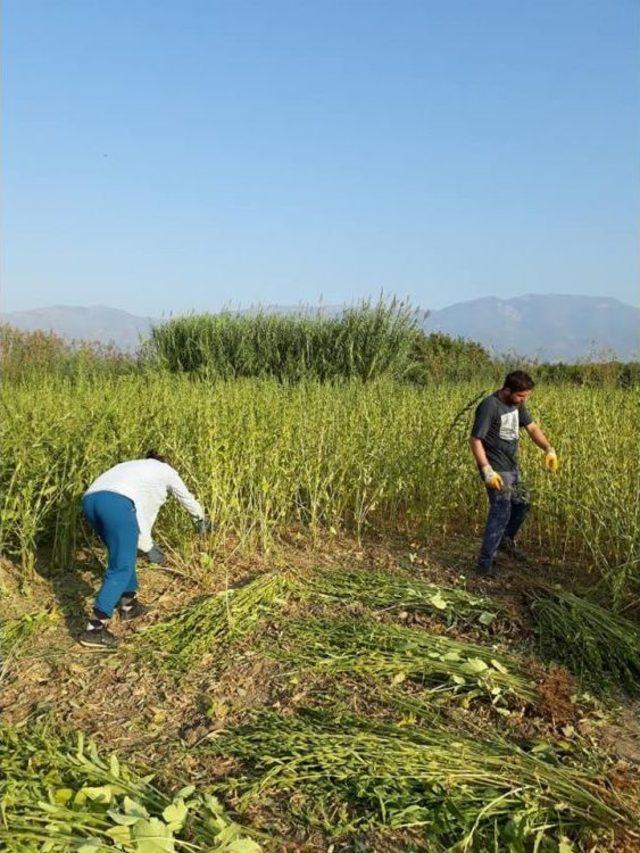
[509, 425]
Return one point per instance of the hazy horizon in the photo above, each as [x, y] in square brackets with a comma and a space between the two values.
[320, 303]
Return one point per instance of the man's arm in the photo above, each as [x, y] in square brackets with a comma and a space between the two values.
[479, 430]
[477, 448]
[538, 437]
[540, 440]
[492, 479]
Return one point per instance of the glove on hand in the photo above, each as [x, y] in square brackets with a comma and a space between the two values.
[155, 555]
[491, 478]
[204, 526]
[551, 460]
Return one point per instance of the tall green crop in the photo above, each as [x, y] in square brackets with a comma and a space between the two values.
[379, 456]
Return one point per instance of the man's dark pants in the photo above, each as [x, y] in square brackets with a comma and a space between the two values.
[508, 508]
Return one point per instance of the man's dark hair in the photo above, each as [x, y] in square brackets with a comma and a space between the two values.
[518, 380]
[153, 454]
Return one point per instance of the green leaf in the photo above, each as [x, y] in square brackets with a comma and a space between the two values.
[176, 814]
[500, 667]
[153, 836]
[399, 677]
[135, 809]
[486, 617]
[244, 845]
[114, 766]
[213, 804]
[123, 819]
[474, 666]
[438, 601]
[183, 793]
[121, 834]
[90, 846]
[451, 656]
[61, 796]
[102, 794]
[49, 808]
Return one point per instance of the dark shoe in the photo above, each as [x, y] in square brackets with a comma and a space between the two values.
[509, 547]
[98, 638]
[133, 611]
[483, 572]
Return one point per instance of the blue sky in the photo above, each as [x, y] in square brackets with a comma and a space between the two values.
[169, 155]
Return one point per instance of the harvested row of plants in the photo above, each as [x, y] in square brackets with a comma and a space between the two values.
[350, 774]
[600, 647]
[199, 628]
[58, 795]
[389, 653]
[399, 590]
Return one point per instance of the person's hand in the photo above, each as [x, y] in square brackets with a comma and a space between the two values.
[551, 462]
[204, 526]
[492, 479]
[155, 555]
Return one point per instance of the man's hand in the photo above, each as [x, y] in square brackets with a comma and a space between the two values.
[155, 555]
[551, 462]
[204, 526]
[492, 479]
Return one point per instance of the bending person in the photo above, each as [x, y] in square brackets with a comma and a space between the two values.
[121, 506]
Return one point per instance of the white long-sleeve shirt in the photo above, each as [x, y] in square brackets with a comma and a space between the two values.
[148, 483]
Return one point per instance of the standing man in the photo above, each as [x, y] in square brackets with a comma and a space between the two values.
[494, 444]
[121, 506]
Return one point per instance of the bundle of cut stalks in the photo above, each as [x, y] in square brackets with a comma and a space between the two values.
[58, 795]
[349, 774]
[201, 627]
[398, 590]
[601, 648]
[392, 654]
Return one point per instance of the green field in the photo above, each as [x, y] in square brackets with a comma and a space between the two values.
[380, 457]
[323, 671]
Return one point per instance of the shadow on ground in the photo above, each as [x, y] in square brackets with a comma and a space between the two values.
[73, 588]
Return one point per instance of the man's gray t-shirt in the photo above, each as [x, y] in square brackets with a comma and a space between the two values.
[497, 425]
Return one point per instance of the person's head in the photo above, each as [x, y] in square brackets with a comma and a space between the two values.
[153, 454]
[517, 387]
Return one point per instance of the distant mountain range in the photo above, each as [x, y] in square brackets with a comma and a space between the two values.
[95, 323]
[545, 327]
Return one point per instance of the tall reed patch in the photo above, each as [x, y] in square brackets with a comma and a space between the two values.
[27, 355]
[365, 342]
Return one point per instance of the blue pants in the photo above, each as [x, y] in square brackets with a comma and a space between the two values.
[508, 508]
[113, 517]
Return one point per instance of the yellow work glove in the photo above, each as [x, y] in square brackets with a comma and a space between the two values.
[551, 460]
[492, 479]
